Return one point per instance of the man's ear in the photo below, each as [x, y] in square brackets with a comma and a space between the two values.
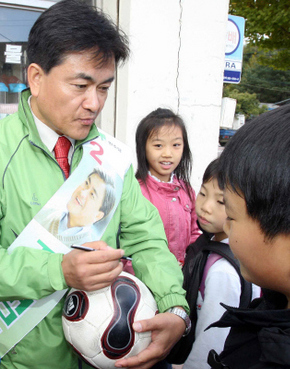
[34, 76]
[99, 216]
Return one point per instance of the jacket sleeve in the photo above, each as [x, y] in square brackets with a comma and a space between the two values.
[143, 237]
[28, 273]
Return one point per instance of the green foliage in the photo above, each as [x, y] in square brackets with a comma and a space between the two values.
[268, 27]
[247, 103]
[269, 84]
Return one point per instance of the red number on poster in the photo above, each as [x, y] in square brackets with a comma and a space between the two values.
[96, 153]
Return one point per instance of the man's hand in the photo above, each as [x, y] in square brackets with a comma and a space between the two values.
[166, 329]
[92, 270]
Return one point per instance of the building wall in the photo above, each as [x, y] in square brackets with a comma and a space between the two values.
[177, 62]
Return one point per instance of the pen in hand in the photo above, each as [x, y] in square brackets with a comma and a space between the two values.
[85, 248]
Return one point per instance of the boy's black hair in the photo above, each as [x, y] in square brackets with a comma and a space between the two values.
[150, 125]
[211, 171]
[72, 26]
[255, 164]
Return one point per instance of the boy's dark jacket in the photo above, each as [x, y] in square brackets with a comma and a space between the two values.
[259, 337]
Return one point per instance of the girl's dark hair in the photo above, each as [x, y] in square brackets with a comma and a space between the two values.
[211, 172]
[71, 26]
[255, 164]
[150, 125]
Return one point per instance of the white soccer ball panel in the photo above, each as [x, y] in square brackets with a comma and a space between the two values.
[81, 338]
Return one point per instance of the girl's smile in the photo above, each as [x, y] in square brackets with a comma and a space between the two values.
[166, 165]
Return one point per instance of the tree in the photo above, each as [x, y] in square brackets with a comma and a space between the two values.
[267, 26]
[269, 84]
[247, 103]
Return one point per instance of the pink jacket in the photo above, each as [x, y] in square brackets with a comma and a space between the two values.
[177, 212]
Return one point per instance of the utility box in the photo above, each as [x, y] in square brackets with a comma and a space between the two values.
[239, 121]
[228, 110]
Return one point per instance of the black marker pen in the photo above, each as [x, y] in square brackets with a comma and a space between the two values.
[85, 248]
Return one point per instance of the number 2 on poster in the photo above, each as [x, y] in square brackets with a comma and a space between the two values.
[96, 153]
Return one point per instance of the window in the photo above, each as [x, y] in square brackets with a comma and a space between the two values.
[15, 25]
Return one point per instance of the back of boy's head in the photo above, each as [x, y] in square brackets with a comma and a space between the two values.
[151, 125]
[255, 164]
[211, 171]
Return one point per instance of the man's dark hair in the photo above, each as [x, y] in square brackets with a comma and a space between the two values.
[255, 164]
[110, 196]
[211, 172]
[72, 26]
[150, 125]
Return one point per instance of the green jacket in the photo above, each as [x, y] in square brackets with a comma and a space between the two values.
[29, 177]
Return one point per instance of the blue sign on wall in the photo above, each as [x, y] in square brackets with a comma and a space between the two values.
[234, 49]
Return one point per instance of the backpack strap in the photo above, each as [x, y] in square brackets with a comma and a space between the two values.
[212, 258]
[224, 250]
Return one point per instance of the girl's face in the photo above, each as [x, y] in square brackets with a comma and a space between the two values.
[164, 150]
[210, 209]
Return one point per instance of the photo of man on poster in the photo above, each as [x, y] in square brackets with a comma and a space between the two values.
[90, 202]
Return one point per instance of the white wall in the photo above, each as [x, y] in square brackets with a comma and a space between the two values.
[177, 62]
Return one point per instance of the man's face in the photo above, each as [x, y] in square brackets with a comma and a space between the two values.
[86, 201]
[69, 98]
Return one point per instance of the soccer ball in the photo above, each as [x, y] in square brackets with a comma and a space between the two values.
[98, 324]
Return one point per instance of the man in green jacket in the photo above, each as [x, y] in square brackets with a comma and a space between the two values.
[73, 51]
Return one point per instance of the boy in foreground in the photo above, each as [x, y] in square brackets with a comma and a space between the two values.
[255, 176]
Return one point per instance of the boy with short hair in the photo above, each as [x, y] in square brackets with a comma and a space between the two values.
[255, 176]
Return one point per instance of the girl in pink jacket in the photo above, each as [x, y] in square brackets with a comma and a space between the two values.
[164, 168]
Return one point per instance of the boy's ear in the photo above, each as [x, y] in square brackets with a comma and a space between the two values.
[34, 77]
